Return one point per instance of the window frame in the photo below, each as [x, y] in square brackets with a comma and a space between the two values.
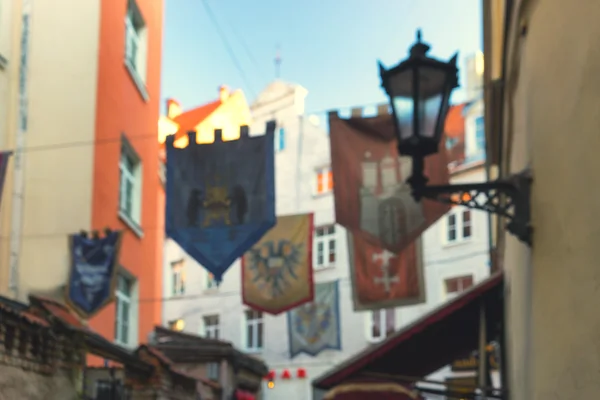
[136, 32]
[133, 176]
[214, 329]
[480, 142]
[326, 185]
[457, 213]
[329, 241]
[466, 276]
[213, 371]
[209, 282]
[382, 315]
[120, 299]
[178, 278]
[280, 139]
[258, 326]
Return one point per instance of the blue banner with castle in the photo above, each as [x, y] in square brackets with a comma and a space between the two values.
[94, 263]
[220, 196]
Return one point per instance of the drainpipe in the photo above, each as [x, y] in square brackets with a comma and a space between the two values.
[301, 122]
[16, 224]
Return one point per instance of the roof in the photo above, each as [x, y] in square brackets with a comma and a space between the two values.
[454, 129]
[59, 311]
[180, 347]
[275, 91]
[454, 126]
[96, 343]
[172, 367]
[188, 120]
[431, 342]
[21, 310]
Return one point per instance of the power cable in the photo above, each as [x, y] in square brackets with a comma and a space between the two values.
[246, 48]
[228, 47]
[143, 228]
[345, 280]
[153, 136]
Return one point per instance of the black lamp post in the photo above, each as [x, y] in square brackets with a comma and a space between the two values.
[419, 89]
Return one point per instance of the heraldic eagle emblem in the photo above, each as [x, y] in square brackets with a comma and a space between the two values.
[274, 264]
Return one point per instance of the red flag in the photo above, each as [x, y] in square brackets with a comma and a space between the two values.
[382, 279]
[371, 193]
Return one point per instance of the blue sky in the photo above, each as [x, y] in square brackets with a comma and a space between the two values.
[330, 47]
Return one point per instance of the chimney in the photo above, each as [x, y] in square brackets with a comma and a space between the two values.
[173, 108]
[223, 93]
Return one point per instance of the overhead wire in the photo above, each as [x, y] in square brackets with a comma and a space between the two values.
[228, 47]
[154, 135]
[217, 294]
[245, 46]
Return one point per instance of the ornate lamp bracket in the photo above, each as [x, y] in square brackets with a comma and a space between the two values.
[509, 198]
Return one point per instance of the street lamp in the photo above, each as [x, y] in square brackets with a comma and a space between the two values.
[419, 90]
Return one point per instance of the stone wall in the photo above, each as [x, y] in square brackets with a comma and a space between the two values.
[16, 383]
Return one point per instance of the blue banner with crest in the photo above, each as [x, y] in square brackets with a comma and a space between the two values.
[315, 326]
[220, 196]
[94, 263]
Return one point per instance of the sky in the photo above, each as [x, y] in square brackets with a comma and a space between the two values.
[330, 47]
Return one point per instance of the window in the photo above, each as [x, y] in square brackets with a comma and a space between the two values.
[212, 371]
[280, 140]
[106, 388]
[451, 227]
[458, 225]
[382, 323]
[324, 246]
[466, 224]
[123, 314]
[254, 330]
[480, 134]
[178, 277]
[130, 168]
[324, 180]
[457, 284]
[211, 326]
[136, 46]
[211, 283]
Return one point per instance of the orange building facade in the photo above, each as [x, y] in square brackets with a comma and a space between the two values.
[128, 106]
[93, 94]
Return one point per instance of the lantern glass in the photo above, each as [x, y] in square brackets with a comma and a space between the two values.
[419, 97]
[400, 90]
[432, 83]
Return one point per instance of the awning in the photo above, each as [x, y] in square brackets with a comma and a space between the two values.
[380, 391]
[432, 342]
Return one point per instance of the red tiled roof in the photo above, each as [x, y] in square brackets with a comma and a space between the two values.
[159, 354]
[60, 311]
[431, 342]
[454, 126]
[189, 119]
[29, 317]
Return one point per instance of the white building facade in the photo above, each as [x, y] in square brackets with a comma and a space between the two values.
[453, 261]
